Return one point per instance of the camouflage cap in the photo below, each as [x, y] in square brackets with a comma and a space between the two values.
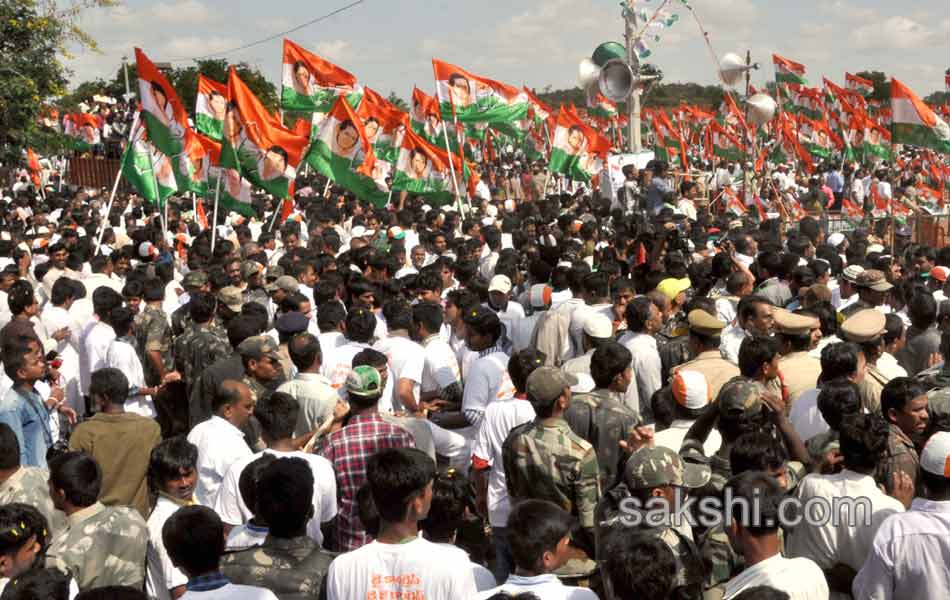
[546, 384]
[274, 271]
[659, 466]
[232, 297]
[740, 395]
[258, 347]
[938, 405]
[195, 279]
[250, 268]
[364, 381]
[874, 279]
[284, 282]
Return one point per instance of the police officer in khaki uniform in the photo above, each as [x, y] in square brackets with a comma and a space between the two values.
[866, 329]
[799, 370]
[704, 332]
[872, 291]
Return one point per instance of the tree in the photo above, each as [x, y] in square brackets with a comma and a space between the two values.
[397, 102]
[882, 85]
[33, 37]
[938, 98]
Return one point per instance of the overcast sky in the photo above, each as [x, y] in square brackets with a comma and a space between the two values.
[388, 44]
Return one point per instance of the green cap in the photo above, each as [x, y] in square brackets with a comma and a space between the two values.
[364, 381]
[195, 279]
[258, 347]
[740, 395]
[659, 466]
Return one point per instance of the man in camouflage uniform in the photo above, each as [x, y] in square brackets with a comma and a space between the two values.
[27, 485]
[193, 282]
[289, 562]
[653, 472]
[101, 545]
[600, 416]
[252, 272]
[154, 335]
[260, 356]
[202, 343]
[545, 460]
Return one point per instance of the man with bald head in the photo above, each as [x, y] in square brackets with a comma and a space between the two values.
[219, 439]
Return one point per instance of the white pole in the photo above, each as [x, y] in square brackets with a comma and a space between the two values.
[115, 186]
[277, 211]
[448, 152]
[214, 223]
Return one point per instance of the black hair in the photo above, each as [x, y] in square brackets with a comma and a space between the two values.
[194, 539]
[748, 308]
[398, 314]
[428, 315]
[756, 451]
[522, 364]
[639, 565]
[428, 280]
[486, 323]
[113, 592]
[18, 523]
[79, 477]
[305, 351]
[62, 291]
[754, 353]
[330, 315]
[898, 393]
[863, 441]
[168, 459]
[839, 360]
[153, 290]
[20, 297]
[638, 313]
[240, 328]
[131, 289]
[609, 360]
[110, 384]
[104, 299]
[285, 496]
[226, 395]
[366, 508]
[761, 493]
[922, 310]
[360, 324]
[396, 477]
[201, 306]
[277, 414]
[121, 319]
[838, 398]
[38, 584]
[536, 527]
[893, 328]
[451, 494]
[248, 481]
[9, 448]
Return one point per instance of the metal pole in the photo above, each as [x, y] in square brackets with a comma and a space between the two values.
[633, 104]
[214, 219]
[115, 186]
[125, 70]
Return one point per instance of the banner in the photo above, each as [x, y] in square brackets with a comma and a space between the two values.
[578, 151]
[473, 99]
[312, 84]
[211, 106]
[424, 169]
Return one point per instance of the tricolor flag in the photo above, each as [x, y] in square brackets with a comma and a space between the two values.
[601, 108]
[423, 169]
[851, 209]
[210, 107]
[788, 71]
[723, 144]
[148, 169]
[256, 145]
[83, 131]
[342, 152]
[312, 84]
[915, 123]
[425, 115]
[863, 86]
[473, 99]
[235, 191]
[538, 111]
[578, 151]
[384, 124]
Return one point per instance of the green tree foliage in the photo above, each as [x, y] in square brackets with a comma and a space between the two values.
[661, 95]
[882, 84]
[398, 102]
[938, 98]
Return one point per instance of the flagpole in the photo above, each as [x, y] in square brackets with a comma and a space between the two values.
[217, 193]
[115, 186]
[448, 152]
[279, 209]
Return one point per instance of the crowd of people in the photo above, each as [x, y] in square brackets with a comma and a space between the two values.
[520, 397]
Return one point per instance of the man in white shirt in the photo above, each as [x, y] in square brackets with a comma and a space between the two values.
[406, 358]
[908, 556]
[487, 379]
[755, 316]
[499, 299]
[194, 539]
[759, 499]
[400, 482]
[597, 301]
[97, 335]
[278, 415]
[54, 317]
[539, 534]
[360, 328]
[643, 321]
[847, 538]
[691, 395]
[441, 376]
[219, 439]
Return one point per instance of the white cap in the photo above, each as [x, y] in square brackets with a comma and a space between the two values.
[488, 221]
[851, 273]
[358, 231]
[599, 326]
[500, 283]
[875, 248]
[145, 250]
[935, 457]
[836, 238]
[491, 210]
[690, 389]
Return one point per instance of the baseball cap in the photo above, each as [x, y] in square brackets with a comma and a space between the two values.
[500, 283]
[935, 457]
[690, 389]
[539, 295]
[599, 326]
[364, 381]
[546, 384]
[231, 297]
[740, 395]
[284, 282]
[258, 347]
[658, 466]
[195, 279]
[875, 280]
[940, 273]
[852, 272]
[671, 287]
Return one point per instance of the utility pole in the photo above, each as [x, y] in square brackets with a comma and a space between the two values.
[633, 103]
[125, 70]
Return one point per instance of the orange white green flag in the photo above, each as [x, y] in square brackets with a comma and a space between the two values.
[473, 99]
[210, 107]
[915, 123]
[342, 152]
[82, 131]
[384, 125]
[425, 116]
[256, 145]
[148, 169]
[578, 150]
[311, 84]
[423, 169]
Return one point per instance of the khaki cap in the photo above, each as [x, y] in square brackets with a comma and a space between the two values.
[863, 326]
[789, 323]
[818, 292]
[875, 280]
[704, 323]
[658, 466]
[546, 384]
[232, 297]
[284, 282]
